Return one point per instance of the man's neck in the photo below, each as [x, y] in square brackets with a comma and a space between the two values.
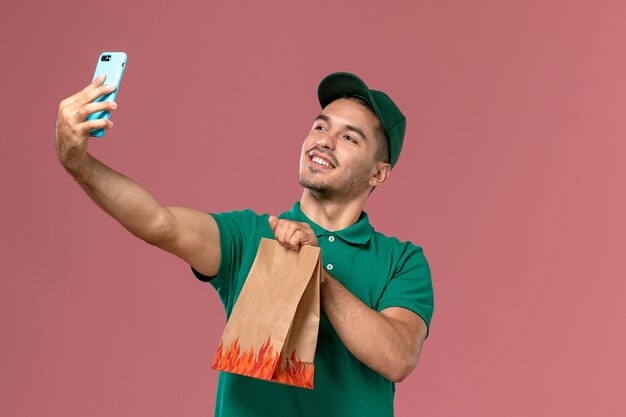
[332, 215]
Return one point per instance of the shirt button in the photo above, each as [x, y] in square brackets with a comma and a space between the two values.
[331, 238]
[329, 267]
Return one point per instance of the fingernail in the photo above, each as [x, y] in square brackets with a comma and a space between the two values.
[113, 105]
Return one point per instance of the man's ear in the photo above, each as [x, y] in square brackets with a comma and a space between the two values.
[381, 174]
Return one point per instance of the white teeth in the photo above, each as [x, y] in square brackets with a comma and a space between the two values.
[320, 161]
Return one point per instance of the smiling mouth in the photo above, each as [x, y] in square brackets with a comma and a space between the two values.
[320, 161]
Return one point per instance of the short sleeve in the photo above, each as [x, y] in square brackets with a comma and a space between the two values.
[410, 286]
[236, 229]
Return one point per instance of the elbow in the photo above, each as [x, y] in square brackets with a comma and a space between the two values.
[400, 373]
[159, 232]
[397, 378]
[402, 367]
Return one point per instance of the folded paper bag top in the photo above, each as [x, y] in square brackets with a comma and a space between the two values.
[271, 333]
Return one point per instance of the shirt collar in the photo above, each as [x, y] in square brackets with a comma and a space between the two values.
[359, 233]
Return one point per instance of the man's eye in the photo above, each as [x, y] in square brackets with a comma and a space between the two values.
[349, 138]
[319, 127]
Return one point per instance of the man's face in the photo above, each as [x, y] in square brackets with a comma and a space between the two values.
[338, 155]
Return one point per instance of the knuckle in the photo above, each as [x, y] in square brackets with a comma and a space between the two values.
[86, 95]
[63, 107]
[65, 113]
[79, 113]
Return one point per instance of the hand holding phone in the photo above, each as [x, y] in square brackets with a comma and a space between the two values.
[112, 64]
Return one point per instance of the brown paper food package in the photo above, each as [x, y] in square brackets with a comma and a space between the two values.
[271, 333]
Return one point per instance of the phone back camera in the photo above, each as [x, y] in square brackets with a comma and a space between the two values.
[105, 58]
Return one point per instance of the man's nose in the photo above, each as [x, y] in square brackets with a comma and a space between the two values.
[327, 141]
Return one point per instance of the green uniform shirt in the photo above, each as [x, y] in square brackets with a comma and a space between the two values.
[381, 271]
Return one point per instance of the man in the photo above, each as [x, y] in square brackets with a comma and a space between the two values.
[376, 296]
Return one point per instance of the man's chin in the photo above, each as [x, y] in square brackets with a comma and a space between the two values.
[317, 187]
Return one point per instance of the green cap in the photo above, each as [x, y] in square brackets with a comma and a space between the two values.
[339, 83]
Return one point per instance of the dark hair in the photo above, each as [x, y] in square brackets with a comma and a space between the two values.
[382, 153]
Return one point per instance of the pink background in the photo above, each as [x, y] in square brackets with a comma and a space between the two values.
[512, 179]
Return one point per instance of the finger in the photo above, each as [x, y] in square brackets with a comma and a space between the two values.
[295, 241]
[311, 238]
[273, 220]
[91, 108]
[286, 241]
[282, 230]
[308, 237]
[75, 97]
[90, 125]
[91, 95]
[293, 235]
[97, 82]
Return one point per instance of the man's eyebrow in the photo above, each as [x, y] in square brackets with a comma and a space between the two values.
[357, 130]
[322, 117]
[327, 119]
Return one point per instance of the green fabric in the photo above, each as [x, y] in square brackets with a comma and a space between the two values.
[381, 271]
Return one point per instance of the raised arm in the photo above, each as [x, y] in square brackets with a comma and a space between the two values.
[190, 234]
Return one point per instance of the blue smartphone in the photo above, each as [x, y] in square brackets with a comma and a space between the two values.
[113, 65]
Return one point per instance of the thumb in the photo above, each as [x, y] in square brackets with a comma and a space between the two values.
[273, 222]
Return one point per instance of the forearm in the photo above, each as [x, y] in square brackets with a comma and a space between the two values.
[122, 198]
[371, 337]
[116, 194]
[389, 342]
